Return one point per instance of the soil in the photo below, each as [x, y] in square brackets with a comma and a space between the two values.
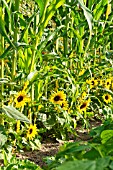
[47, 149]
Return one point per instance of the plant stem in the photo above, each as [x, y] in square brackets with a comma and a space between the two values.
[15, 53]
[88, 43]
[65, 39]
[2, 60]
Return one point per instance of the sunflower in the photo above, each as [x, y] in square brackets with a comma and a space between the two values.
[58, 97]
[107, 83]
[21, 99]
[107, 98]
[84, 94]
[92, 82]
[64, 106]
[32, 131]
[83, 106]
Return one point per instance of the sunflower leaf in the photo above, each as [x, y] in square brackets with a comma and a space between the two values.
[13, 113]
[3, 139]
[32, 76]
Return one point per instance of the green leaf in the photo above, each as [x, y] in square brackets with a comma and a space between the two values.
[32, 76]
[8, 10]
[3, 32]
[41, 4]
[87, 13]
[51, 10]
[72, 149]
[99, 164]
[3, 139]
[5, 157]
[92, 154]
[99, 9]
[13, 113]
[106, 135]
[50, 37]
[28, 22]
[111, 165]
[4, 54]
[3, 80]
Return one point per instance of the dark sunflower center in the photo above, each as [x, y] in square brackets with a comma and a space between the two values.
[20, 98]
[106, 97]
[83, 106]
[107, 83]
[30, 131]
[56, 98]
[92, 82]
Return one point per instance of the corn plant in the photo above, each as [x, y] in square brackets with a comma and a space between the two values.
[56, 68]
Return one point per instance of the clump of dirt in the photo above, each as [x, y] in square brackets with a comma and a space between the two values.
[47, 149]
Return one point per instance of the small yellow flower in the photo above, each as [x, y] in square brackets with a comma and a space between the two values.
[84, 94]
[112, 85]
[92, 82]
[10, 101]
[108, 11]
[58, 97]
[18, 126]
[100, 82]
[64, 106]
[81, 72]
[107, 98]
[54, 67]
[21, 99]
[83, 106]
[32, 131]
[25, 85]
[40, 106]
[107, 83]
[56, 84]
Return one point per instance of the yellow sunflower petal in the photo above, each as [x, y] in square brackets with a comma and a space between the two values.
[83, 106]
[92, 82]
[32, 131]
